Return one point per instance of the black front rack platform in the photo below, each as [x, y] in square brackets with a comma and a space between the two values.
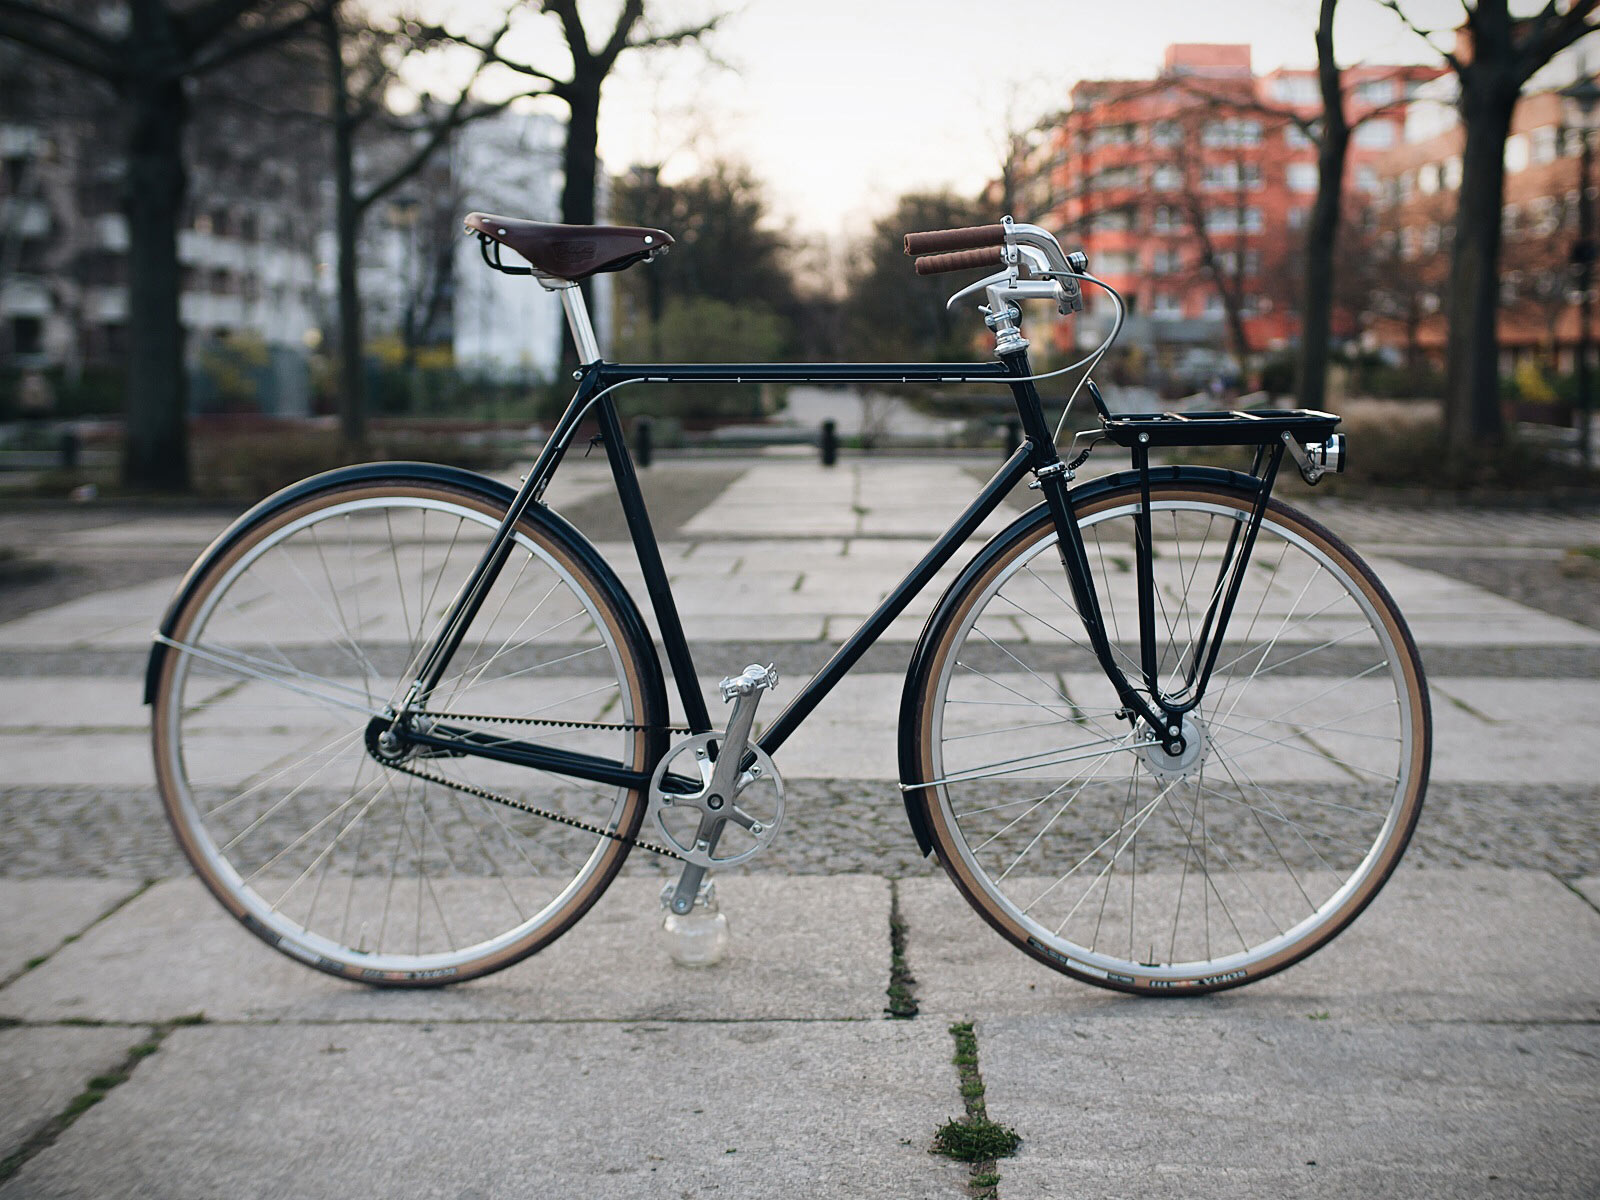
[1241, 427]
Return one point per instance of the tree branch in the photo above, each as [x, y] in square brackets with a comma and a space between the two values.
[256, 39]
[60, 37]
[490, 51]
[689, 33]
[632, 10]
[1426, 35]
[439, 130]
[572, 26]
[205, 22]
[1552, 32]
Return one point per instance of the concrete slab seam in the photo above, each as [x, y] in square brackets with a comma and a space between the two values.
[38, 960]
[902, 987]
[1576, 891]
[95, 1089]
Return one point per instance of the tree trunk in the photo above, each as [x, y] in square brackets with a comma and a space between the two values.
[578, 158]
[156, 456]
[1322, 233]
[347, 232]
[1472, 369]
[579, 164]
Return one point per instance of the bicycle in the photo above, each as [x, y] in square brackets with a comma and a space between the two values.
[1165, 733]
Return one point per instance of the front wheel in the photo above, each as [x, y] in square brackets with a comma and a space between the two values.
[1093, 850]
[290, 645]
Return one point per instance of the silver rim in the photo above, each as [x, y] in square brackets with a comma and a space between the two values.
[342, 861]
[1120, 864]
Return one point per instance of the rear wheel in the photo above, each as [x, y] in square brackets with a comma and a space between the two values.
[1095, 851]
[313, 623]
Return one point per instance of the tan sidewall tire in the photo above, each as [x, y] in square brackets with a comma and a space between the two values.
[945, 840]
[614, 853]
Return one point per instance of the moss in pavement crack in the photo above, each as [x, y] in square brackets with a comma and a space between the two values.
[974, 1138]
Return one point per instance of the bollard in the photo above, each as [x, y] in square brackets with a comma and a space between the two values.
[68, 448]
[1013, 438]
[829, 443]
[641, 441]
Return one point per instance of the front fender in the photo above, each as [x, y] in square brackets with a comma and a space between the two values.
[917, 799]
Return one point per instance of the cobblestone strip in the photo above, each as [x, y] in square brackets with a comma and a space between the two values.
[834, 827]
[1551, 661]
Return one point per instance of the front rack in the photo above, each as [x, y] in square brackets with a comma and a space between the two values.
[1239, 427]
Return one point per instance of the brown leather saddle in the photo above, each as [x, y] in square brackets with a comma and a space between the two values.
[571, 252]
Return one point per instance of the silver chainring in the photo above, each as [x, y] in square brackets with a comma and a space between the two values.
[753, 813]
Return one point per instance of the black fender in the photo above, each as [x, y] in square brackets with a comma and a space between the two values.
[488, 489]
[917, 799]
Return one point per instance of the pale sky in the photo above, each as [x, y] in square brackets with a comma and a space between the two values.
[842, 105]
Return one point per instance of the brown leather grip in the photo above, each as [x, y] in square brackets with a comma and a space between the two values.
[935, 264]
[937, 241]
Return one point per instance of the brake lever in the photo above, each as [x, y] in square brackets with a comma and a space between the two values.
[1007, 275]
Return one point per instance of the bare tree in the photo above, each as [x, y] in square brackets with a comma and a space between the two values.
[148, 59]
[1504, 54]
[581, 91]
[1330, 132]
[362, 64]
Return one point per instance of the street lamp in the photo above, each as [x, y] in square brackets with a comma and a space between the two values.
[1581, 97]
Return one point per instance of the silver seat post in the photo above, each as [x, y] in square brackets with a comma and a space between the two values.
[578, 321]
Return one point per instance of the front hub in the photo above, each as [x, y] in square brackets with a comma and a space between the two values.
[1168, 767]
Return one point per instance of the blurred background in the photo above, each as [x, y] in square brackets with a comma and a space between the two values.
[231, 252]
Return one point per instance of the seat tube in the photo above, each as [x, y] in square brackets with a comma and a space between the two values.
[577, 310]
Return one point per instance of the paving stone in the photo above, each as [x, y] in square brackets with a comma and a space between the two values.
[802, 948]
[1155, 1105]
[1470, 945]
[638, 1110]
[44, 1068]
[41, 913]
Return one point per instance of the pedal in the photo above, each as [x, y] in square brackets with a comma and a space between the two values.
[740, 791]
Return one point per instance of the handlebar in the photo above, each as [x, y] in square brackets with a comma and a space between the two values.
[970, 237]
[962, 260]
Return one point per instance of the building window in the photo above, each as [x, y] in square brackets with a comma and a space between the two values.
[1166, 133]
[1233, 133]
[1167, 260]
[1367, 180]
[1450, 175]
[1296, 89]
[1545, 144]
[1165, 304]
[1294, 137]
[1517, 152]
[1428, 179]
[1166, 220]
[1166, 178]
[1376, 91]
[1297, 217]
[1374, 135]
[1231, 176]
[1302, 177]
[1232, 220]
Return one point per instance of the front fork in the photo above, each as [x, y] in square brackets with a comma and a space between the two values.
[1161, 713]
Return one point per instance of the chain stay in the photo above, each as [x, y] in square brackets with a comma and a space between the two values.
[560, 818]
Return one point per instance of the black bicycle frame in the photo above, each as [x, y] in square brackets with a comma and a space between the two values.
[1036, 455]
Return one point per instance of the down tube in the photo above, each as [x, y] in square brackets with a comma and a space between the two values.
[848, 654]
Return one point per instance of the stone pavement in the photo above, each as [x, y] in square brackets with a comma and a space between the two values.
[1444, 1045]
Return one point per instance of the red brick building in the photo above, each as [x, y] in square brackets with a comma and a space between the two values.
[1190, 191]
[1413, 217]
